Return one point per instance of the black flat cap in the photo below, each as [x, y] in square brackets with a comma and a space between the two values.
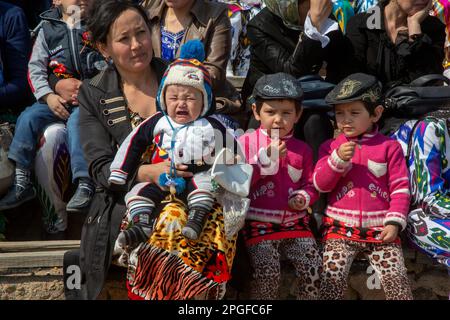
[357, 86]
[278, 86]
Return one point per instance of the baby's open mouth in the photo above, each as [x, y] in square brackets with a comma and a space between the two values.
[182, 113]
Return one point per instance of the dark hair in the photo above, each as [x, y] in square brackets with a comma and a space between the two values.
[370, 106]
[102, 14]
[259, 102]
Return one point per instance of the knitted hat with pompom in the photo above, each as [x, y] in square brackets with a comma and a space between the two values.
[188, 70]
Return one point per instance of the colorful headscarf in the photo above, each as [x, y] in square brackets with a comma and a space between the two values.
[441, 10]
[287, 10]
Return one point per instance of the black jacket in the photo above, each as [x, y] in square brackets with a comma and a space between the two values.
[392, 64]
[104, 125]
[276, 48]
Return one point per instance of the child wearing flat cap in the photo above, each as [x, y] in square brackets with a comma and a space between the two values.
[281, 191]
[366, 178]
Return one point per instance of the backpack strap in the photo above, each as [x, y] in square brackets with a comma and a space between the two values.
[425, 80]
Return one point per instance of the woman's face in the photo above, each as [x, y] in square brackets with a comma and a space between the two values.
[303, 8]
[178, 4]
[129, 42]
[410, 7]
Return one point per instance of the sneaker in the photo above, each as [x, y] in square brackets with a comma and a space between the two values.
[16, 196]
[195, 223]
[82, 197]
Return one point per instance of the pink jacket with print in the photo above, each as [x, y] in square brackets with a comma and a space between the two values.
[274, 183]
[372, 189]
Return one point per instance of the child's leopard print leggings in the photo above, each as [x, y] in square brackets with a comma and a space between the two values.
[265, 261]
[386, 259]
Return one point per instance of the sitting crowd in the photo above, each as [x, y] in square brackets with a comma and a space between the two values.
[131, 104]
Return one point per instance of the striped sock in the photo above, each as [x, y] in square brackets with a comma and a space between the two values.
[201, 199]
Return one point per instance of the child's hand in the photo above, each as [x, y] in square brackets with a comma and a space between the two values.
[297, 203]
[389, 233]
[346, 150]
[276, 149]
[56, 104]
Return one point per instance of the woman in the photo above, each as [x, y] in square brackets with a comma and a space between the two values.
[285, 37]
[426, 144]
[173, 22]
[111, 104]
[400, 45]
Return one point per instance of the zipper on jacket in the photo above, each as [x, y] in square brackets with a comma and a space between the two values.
[75, 53]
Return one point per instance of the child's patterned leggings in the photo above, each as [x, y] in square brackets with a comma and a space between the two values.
[265, 261]
[386, 259]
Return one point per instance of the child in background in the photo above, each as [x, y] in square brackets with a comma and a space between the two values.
[63, 48]
[281, 191]
[365, 176]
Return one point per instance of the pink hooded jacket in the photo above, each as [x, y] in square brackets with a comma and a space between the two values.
[372, 189]
[274, 183]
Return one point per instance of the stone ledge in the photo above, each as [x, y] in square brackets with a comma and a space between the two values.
[428, 281]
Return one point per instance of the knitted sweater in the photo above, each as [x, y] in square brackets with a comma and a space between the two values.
[372, 189]
[274, 183]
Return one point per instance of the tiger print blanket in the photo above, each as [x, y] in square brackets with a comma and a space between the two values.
[170, 267]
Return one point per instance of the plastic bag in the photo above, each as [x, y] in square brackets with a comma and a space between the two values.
[234, 210]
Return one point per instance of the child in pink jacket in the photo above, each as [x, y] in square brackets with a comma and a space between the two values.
[281, 191]
[366, 178]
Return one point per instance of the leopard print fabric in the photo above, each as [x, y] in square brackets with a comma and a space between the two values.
[303, 253]
[386, 259]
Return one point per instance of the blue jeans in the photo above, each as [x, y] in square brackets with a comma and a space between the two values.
[31, 124]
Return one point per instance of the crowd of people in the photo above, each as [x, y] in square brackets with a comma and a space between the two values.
[144, 109]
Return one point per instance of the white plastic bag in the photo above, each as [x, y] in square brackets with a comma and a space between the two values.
[234, 181]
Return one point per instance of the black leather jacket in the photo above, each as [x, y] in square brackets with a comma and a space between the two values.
[104, 125]
[276, 48]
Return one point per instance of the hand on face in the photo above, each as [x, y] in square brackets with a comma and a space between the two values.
[346, 150]
[276, 149]
[418, 16]
[319, 11]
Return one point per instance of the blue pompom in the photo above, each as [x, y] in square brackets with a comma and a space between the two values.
[179, 182]
[180, 185]
[193, 49]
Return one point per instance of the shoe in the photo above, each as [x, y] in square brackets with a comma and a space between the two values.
[82, 197]
[139, 232]
[195, 223]
[16, 196]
